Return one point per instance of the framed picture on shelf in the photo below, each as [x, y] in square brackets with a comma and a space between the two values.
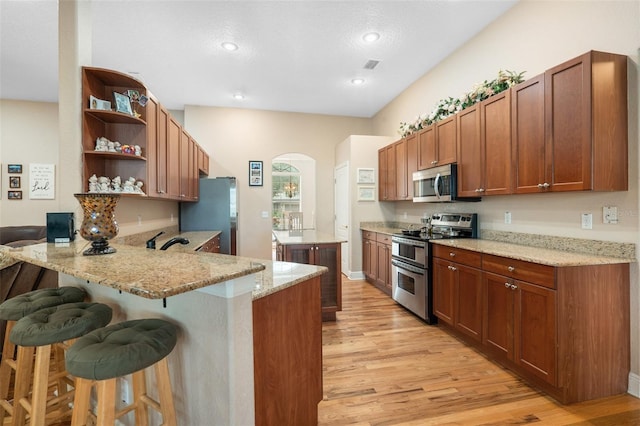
[14, 181]
[366, 175]
[14, 168]
[95, 103]
[366, 193]
[255, 173]
[14, 195]
[123, 103]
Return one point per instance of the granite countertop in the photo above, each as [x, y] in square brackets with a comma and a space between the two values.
[306, 236]
[155, 274]
[196, 240]
[539, 255]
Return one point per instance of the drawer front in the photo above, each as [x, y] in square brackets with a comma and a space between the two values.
[384, 238]
[535, 273]
[211, 246]
[465, 257]
[369, 235]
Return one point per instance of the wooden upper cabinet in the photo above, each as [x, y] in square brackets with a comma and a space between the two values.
[495, 125]
[387, 173]
[470, 158]
[151, 184]
[446, 141]
[162, 150]
[586, 123]
[400, 170]
[173, 159]
[203, 161]
[411, 143]
[427, 148]
[527, 126]
[382, 174]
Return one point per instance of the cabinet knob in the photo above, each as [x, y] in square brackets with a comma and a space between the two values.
[511, 269]
[452, 268]
[452, 254]
[546, 185]
[434, 162]
[514, 287]
[507, 285]
[481, 190]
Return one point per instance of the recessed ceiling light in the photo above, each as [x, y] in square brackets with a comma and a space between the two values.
[371, 37]
[229, 46]
[357, 81]
[238, 96]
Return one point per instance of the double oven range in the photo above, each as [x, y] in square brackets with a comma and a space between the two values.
[411, 276]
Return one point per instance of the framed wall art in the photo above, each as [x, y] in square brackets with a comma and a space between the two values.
[366, 193]
[14, 181]
[14, 195]
[123, 103]
[14, 168]
[255, 173]
[366, 175]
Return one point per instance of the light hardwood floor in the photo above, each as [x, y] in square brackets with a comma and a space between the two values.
[384, 366]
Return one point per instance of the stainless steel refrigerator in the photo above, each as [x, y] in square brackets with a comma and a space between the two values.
[216, 210]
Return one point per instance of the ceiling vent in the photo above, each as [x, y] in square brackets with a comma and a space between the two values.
[371, 64]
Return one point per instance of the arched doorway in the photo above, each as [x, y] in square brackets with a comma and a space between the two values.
[293, 189]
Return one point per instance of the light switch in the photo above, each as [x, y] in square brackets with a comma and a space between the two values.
[265, 215]
[587, 221]
[507, 218]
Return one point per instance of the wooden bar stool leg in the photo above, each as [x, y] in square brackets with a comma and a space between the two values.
[106, 410]
[81, 402]
[24, 366]
[164, 392]
[38, 408]
[140, 390]
[8, 353]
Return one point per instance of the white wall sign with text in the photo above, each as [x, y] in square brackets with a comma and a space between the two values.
[42, 181]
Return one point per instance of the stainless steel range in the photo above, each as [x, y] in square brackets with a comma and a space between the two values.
[411, 259]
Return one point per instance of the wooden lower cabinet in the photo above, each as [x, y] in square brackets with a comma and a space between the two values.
[211, 246]
[565, 329]
[376, 259]
[329, 255]
[288, 358]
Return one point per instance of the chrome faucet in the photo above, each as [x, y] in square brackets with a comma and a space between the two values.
[174, 240]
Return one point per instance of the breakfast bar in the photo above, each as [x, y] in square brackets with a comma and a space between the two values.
[239, 320]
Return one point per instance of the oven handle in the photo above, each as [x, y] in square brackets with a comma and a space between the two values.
[403, 265]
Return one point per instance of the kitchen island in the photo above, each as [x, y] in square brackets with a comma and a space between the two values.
[238, 360]
[315, 248]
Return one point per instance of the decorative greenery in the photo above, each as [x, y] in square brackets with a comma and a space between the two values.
[446, 107]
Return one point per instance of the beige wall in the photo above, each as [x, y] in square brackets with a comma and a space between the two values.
[531, 37]
[233, 137]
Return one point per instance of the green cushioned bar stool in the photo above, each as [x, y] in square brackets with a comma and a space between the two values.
[104, 355]
[39, 332]
[15, 309]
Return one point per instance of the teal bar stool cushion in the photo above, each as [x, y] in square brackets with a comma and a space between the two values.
[20, 306]
[121, 349]
[60, 323]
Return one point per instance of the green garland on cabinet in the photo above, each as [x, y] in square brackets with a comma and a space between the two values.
[449, 106]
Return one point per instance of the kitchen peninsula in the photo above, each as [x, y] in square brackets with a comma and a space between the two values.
[235, 315]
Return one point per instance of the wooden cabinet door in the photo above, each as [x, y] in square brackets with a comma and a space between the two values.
[299, 254]
[383, 275]
[391, 173]
[203, 161]
[151, 185]
[527, 125]
[173, 159]
[535, 330]
[427, 156]
[382, 174]
[446, 141]
[162, 150]
[331, 283]
[366, 258]
[568, 125]
[412, 162]
[495, 114]
[443, 291]
[400, 170]
[373, 259]
[185, 155]
[194, 187]
[468, 300]
[470, 161]
[497, 336]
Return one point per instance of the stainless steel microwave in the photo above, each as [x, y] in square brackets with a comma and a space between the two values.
[437, 185]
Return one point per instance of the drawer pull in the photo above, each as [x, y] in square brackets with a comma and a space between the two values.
[452, 268]
[514, 287]
[507, 285]
[452, 254]
[511, 269]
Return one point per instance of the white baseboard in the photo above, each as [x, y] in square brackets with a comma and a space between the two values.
[634, 385]
[355, 275]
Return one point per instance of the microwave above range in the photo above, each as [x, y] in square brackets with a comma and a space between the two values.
[437, 185]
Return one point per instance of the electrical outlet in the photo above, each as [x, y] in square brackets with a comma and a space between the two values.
[507, 218]
[587, 221]
[610, 214]
[265, 215]
[139, 220]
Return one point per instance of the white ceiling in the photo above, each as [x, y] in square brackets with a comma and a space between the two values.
[294, 55]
